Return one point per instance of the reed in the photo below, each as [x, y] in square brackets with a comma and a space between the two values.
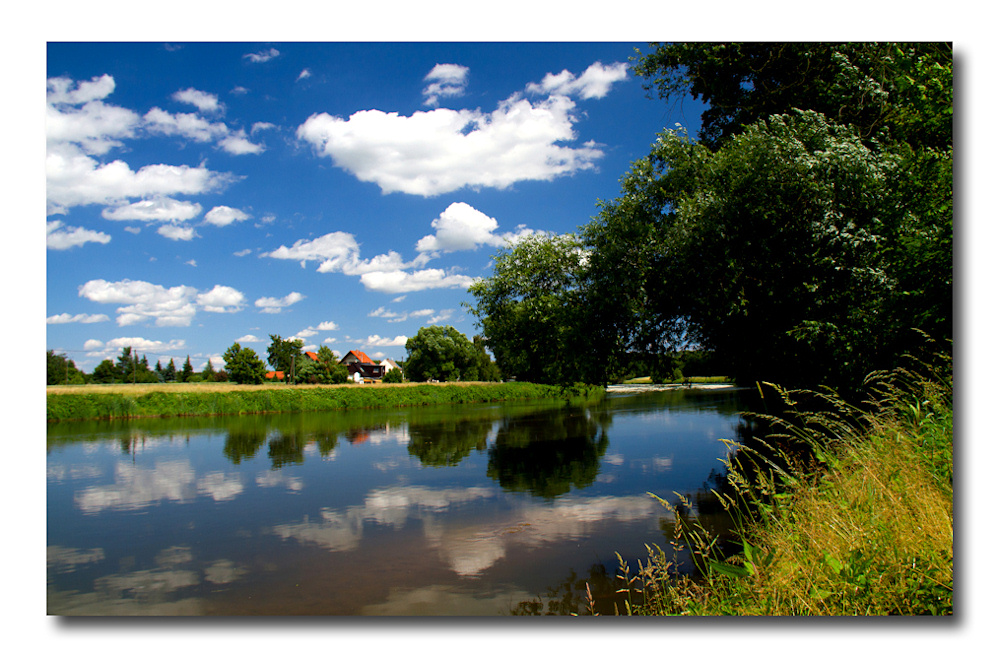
[844, 510]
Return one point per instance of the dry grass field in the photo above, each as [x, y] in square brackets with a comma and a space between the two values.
[217, 387]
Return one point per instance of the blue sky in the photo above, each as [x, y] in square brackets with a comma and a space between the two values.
[201, 194]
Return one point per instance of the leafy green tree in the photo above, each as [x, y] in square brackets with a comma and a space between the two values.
[105, 373]
[885, 91]
[808, 231]
[441, 353]
[283, 353]
[61, 370]
[532, 311]
[243, 365]
[488, 369]
[394, 376]
[208, 372]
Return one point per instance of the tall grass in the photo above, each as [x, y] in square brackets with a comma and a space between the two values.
[844, 510]
[164, 401]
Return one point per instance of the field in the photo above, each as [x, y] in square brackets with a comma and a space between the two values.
[65, 403]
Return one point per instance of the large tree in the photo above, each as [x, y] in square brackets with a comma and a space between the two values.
[811, 227]
[283, 353]
[532, 310]
[61, 370]
[442, 353]
[243, 365]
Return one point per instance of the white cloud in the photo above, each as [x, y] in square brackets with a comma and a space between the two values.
[398, 281]
[462, 227]
[84, 318]
[95, 127]
[261, 125]
[222, 299]
[138, 344]
[169, 307]
[175, 232]
[595, 82]
[306, 73]
[224, 216]
[159, 209]
[238, 144]
[75, 179]
[262, 56]
[327, 326]
[446, 80]
[443, 150]
[204, 101]
[274, 305]
[61, 238]
[189, 125]
[249, 338]
[243, 252]
[378, 341]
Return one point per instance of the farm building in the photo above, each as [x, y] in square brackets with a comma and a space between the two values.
[361, 367]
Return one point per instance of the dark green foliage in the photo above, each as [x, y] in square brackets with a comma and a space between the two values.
[61, 370]
[535, 312]
[394, 376]
[801, 241]
[243, 365]
[187, 371]
[282, 354]
[441, 353]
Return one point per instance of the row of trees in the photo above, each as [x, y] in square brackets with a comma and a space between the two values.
[800, 239]
[435, 353]
[128, 368]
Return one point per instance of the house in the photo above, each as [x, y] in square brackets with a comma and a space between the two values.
[313, 356]
[389, 364]
[361, 367]
[275, 375]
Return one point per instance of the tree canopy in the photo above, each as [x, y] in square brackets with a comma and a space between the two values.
[243, 365]
[799, 240]
[441, 353]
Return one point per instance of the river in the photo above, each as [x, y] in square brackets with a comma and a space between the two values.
[451, 510]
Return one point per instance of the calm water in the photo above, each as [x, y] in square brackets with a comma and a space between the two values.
[459, 510]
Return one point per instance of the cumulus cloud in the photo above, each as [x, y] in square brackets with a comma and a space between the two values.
[60, 237]
[306, 73]
[204, 101]
[75, 179]
[114, 346]
[94, 126]
[238, 144]
[398, 281]
[378, 341]
[249, 338]
[224, 216]
[393, 316]
[222, 299]
[462, 227]
[79, 124]
[442, 150]
[175, 232]
[159, 209]
[327, 326]
[84, 318]
[274, 305]
[141, 301]
[595, 82]
[445, 80]
[262, 56]
[188, 125]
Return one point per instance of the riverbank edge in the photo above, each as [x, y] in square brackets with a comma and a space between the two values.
[114, 405]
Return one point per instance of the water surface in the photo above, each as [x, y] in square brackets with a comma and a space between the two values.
[451, 510]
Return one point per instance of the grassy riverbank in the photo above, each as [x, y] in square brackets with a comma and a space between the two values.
[166, 400]
[852, 517]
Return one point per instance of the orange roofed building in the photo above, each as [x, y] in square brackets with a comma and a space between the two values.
[361, 366]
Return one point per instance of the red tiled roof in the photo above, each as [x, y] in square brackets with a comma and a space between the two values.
[313, 356]
[279, 374]
[362, 357]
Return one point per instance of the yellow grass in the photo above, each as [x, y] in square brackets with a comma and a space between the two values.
[212, 387]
